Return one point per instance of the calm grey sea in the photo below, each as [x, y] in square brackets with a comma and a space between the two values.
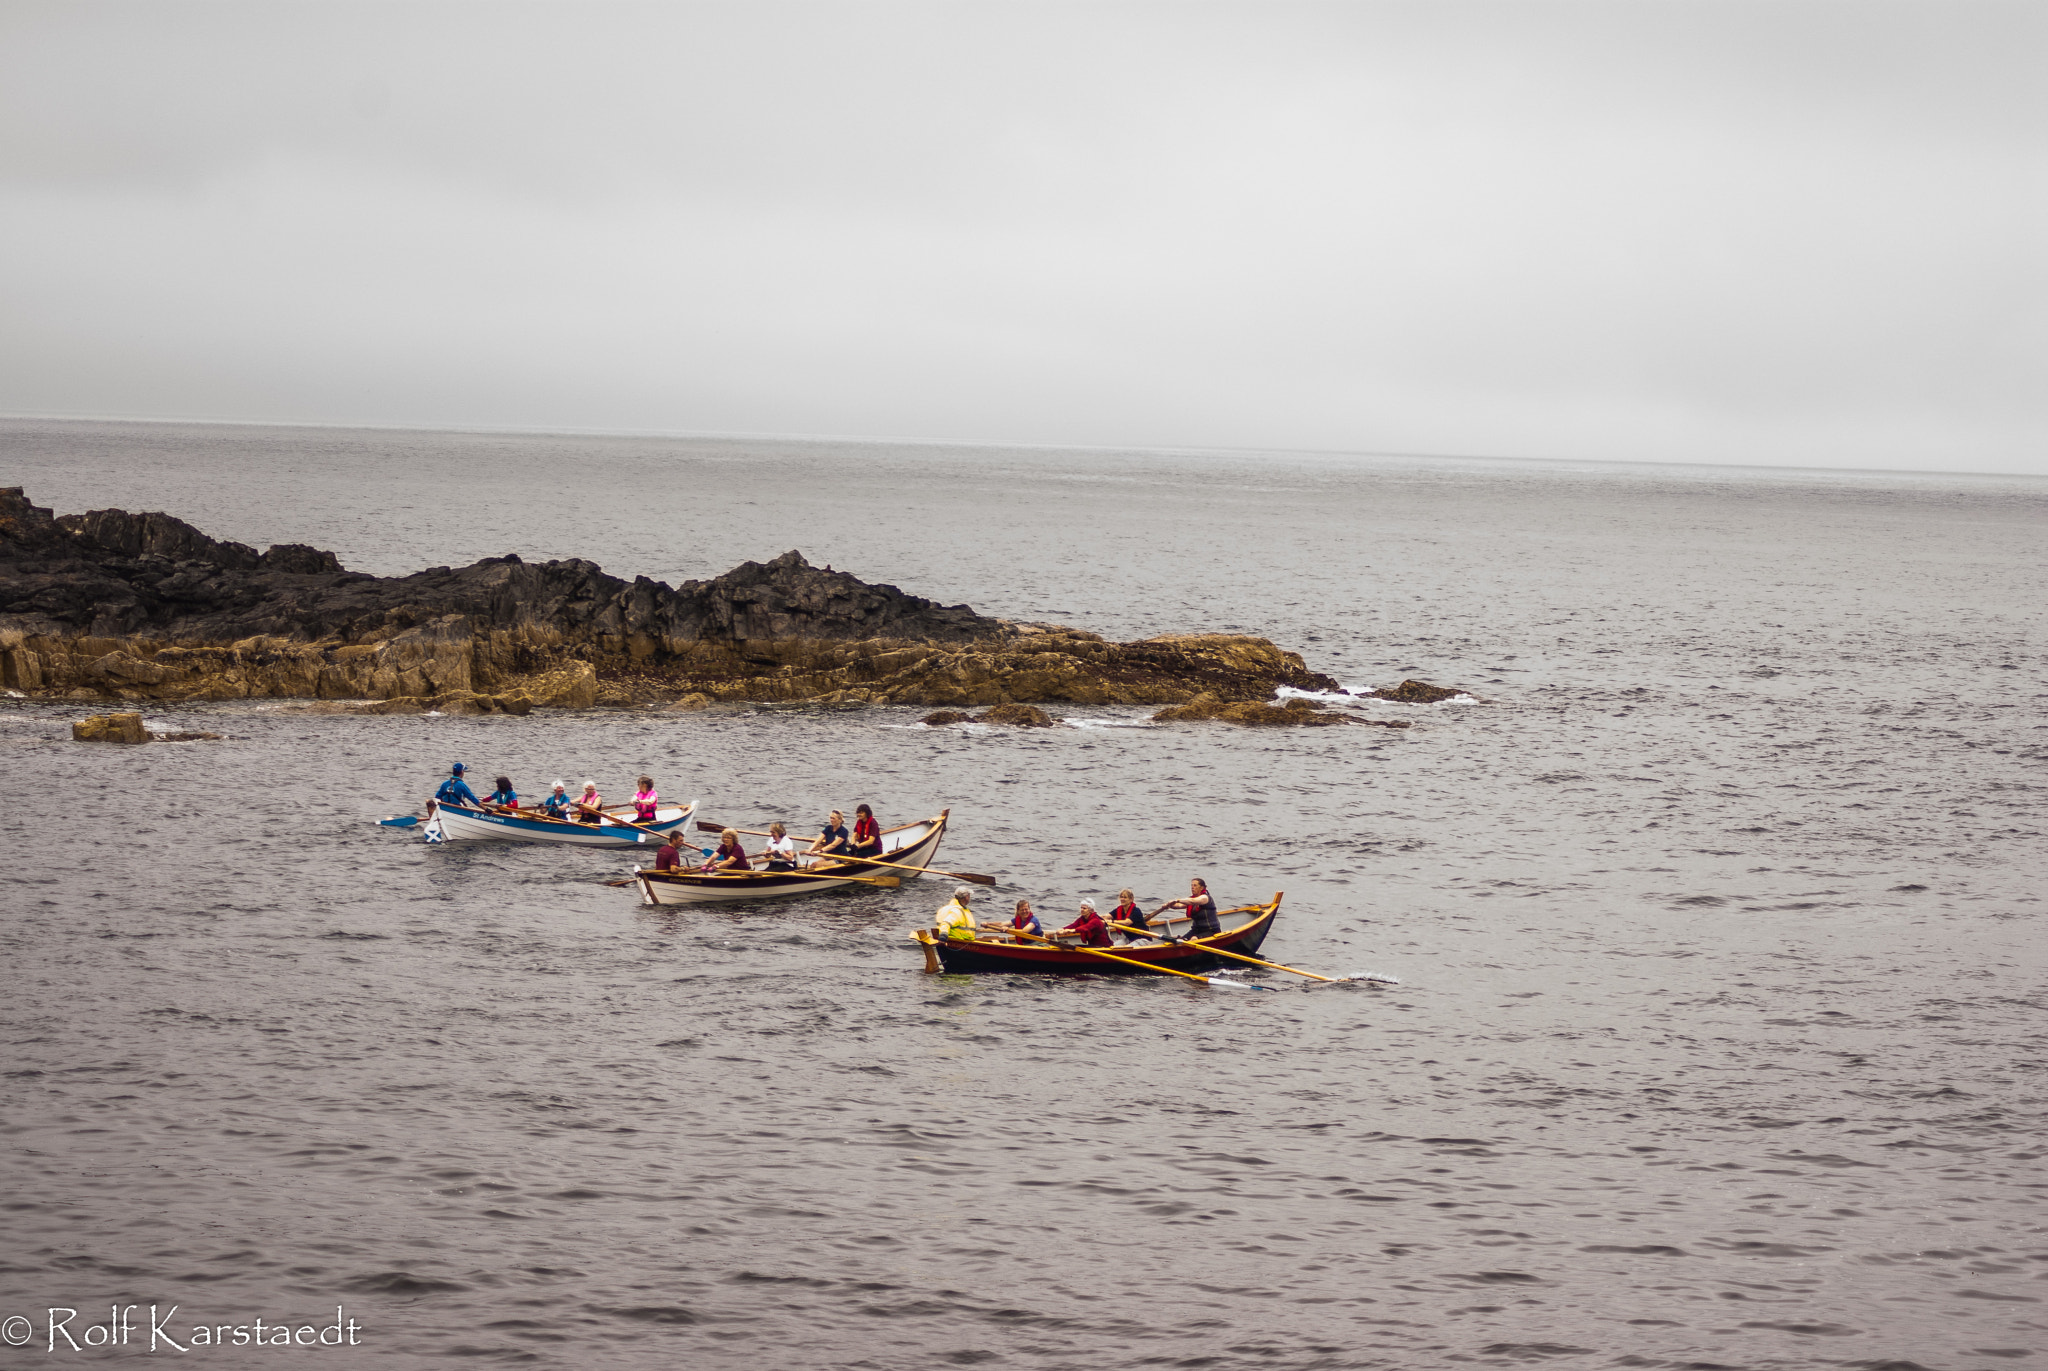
[1720, 1043]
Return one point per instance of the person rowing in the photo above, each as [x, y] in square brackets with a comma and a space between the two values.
[558, 805]
[867, 834]
[504, 798]
[1127, 911]
[1201, 907]
[1088, 927]
[455, 790]
[955, 919]
[645, 801]
[669, 856]
[731, 854]
[1024, 920]
[780, 854]
[833, 840]
[588, 804]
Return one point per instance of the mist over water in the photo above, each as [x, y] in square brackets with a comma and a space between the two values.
[1720, 1037]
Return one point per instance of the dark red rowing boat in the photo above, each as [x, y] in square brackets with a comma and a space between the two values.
[990, 951]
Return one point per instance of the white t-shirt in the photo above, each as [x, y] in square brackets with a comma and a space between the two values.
[781, 850]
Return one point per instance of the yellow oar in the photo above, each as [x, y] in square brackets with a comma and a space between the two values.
[1127, 961]
[1217, 951]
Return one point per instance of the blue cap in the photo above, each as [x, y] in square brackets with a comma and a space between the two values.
[457, 771]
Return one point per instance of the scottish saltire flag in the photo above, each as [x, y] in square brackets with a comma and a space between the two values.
[432, 831]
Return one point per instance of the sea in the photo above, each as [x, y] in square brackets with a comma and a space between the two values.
[1720, 1038]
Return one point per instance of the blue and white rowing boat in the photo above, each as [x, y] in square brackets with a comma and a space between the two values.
[447, 822]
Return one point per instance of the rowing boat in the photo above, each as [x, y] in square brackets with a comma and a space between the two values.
[912, 845]
[991, 951]
[531, 826]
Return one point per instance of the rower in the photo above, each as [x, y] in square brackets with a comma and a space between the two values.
[833, 840]
[588, 804]
[1201, 907]
[645, 800]
[867, 834]
[955, 920]
[1089, 927]
[731, 854]
[504, 797]
[669, 856]
[1128, 912]
[455, 790]
[1024, 920]
[558, 804]
[780, 854]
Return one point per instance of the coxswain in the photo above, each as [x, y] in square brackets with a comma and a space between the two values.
[955, 920]
[504, 797]
[589, 804]
[558, 804]
[780, 854]
[645, 801]
[1089, 927]
[867, 834]
[455, 790]
[1024, 921]
[833, 840]
[669, 856]
[731, 854]
[1201, 907]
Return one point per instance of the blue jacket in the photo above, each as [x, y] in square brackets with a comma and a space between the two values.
[455, 791]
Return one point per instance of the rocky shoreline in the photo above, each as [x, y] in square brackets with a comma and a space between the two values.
[113, 606]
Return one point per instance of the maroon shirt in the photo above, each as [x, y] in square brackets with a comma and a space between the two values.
[736, 854]
[1094, 932]
[665, 859]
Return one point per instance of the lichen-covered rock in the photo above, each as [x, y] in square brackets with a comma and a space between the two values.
[110, 728]
[939, 718]
[1016, 716]
[1415, 693]
[1296, 713]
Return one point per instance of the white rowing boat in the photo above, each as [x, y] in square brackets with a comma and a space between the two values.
[912, 845]
[447, 822]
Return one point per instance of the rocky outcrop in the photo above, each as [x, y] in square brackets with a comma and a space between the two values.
[1414, 693]
[117, 606]
[127, 727]
[110, 728]
[1295, 713]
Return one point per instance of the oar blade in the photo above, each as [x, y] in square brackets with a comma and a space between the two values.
[399, 821]
[1373, 977]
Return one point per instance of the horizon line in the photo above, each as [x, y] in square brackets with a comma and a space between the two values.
[497, 430]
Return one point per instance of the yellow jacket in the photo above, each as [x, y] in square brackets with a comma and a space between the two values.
[955, 921]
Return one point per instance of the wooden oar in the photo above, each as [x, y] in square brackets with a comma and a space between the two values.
[1217, 951]
[1128, 961]
[972, 878]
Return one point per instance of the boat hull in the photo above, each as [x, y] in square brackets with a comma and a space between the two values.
[913, 845]
[983, 956]
[460, 822]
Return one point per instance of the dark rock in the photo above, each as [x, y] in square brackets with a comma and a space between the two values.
[1017, 716]
[1415, 693]
[939, 718]
[113, 605]
[188, 737]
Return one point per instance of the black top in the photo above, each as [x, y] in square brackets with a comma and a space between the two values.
[1202, 908]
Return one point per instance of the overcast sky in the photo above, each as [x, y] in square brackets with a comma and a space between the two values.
[1800, 233]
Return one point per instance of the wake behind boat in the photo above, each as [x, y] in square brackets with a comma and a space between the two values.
[912, 846]
[452, 821]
